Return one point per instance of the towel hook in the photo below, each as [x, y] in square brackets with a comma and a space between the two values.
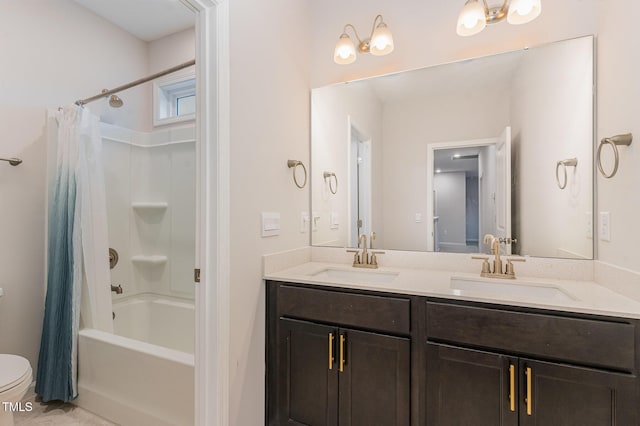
[329, 175]
[292, 164]
[12, 161]
[569, 162]
[614, 141]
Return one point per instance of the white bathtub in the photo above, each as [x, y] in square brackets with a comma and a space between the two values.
[143, 374]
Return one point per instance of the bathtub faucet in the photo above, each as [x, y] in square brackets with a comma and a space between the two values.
[116, 288]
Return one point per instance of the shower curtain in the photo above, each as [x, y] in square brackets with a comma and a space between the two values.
[77, 263]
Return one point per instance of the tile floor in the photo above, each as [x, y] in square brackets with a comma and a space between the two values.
[56, 414]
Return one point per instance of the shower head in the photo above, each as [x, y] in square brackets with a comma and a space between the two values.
[115, 101]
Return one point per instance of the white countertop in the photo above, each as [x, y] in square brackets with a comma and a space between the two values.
[584, 296]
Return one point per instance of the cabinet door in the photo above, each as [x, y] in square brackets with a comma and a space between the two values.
[565, 395]
[375, 382]
[307, 387]
[469, 387]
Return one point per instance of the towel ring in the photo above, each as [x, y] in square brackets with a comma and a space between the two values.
[329, 175]
[569, 162]
[614, 141]
[292, 164]
[12, 161]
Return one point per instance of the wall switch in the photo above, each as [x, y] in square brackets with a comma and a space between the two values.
[418, 217]
[589, 225]
[270, 224]
[315, 218]
[605, 226]
[304, 222]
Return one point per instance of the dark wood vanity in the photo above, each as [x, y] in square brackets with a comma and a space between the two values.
[339, 356]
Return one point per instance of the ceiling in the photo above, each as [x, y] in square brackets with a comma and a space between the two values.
[148, 20]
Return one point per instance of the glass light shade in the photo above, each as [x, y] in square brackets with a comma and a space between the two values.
[381, 41]
[345, 52]
[472, 19]
[523, 11]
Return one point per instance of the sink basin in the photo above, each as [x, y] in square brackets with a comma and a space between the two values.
[355, 275]
[509, 289]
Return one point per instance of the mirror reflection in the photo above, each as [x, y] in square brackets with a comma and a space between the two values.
[435, 158]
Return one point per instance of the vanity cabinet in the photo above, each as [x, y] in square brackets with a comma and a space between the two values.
[337, 358]
[490, 366]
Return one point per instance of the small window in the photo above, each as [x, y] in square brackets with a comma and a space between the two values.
[174, 99]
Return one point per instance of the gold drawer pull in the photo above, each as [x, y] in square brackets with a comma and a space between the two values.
[512, 387]
[528, 400]
[342, 339]
[331, 359]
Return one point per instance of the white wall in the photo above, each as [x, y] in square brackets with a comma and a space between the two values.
[552, 222]
[334, 108]
[172, 50]
[408, 128]
[270, 57]
[424, 33]
[618, 112]
[52, 54]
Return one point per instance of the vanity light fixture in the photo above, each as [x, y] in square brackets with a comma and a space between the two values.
[379, 43]
[475, 16]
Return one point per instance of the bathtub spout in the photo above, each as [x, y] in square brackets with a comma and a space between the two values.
[117, 289]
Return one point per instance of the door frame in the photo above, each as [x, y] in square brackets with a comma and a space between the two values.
[431, 148]
[351, 125]
[212, 295]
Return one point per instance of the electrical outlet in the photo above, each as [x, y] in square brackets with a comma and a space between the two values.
[605, 226]
[589, 225]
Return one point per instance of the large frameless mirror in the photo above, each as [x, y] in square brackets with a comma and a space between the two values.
[435, 158]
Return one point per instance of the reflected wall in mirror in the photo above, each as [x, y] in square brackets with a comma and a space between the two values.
[494, 127]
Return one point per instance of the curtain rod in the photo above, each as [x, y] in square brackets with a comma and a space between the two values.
[81, 102]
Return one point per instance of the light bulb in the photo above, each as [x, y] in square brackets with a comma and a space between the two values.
[345, 52]
[472, 19]
[523, 11]
[381, 41]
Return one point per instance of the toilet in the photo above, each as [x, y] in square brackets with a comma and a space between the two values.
[15, 377]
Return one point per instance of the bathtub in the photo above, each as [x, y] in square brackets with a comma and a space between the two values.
[144, 373]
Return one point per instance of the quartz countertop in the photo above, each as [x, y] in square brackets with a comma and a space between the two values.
[585, 297]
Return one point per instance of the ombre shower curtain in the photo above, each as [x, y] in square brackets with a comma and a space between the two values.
[77, 262]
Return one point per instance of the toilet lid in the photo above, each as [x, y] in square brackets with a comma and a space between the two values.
[14, 370]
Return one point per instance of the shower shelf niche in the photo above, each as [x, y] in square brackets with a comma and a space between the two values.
[150, 207]
[149, 260]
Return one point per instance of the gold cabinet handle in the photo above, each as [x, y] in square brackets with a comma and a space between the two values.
[528, 399]
[331, 359]
[512, 387]
[342, 340]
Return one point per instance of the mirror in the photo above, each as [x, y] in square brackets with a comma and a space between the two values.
[435, 158]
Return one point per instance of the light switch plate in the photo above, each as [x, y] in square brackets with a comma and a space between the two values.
[605, 226]
[304, 222]
[418, 217]
[335, 220]
[270, 224]
[315, 219]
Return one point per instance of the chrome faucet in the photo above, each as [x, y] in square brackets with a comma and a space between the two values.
[362, 259]
[117, 289]
[497, 271]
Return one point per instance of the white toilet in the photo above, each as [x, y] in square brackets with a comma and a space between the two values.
[15, 377]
